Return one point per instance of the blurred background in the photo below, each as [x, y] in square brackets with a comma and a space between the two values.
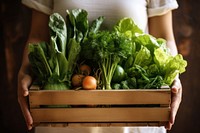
[14, 28]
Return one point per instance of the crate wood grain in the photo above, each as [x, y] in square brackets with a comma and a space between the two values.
[119, 106]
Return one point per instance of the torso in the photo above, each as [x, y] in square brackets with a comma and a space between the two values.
[112, 10]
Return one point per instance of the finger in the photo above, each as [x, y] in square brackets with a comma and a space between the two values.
[25, 111]
[176, 86]
[176, 100]
[26, 82]
[176, 97]
[168, 126]
[174, 107]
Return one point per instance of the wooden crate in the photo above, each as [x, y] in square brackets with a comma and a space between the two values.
[134, 107]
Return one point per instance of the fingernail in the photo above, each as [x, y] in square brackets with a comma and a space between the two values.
[25, 93]
[174, 90]
[30, 127]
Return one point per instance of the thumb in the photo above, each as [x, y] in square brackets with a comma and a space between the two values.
[26, 82]
[176, 86]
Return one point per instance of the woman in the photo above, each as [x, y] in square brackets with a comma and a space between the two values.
[152, 16]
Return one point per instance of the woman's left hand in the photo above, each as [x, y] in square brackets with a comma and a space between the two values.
[176, 98]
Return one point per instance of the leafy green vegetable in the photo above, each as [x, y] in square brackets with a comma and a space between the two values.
[145, 59]
[116, 86]
[54, 63]
[127, 27]
[96, 24]
[124, 84]
[49, 59]
[58, 33]
[37, 57]
[107, 49]
[132, 83]
[173, 67]
[78, 27]
[151, 63]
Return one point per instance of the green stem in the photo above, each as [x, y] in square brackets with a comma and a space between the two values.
[108, 67]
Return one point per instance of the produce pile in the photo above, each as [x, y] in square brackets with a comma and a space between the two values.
[84, 55]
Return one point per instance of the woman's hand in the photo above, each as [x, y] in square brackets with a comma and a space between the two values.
[24, 81]
[176, 90]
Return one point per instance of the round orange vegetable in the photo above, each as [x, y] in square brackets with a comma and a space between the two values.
[77, 80]
[89, 83]
[85, 69]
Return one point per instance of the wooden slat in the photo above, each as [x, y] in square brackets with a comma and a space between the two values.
[101, 115]
[72, 97]
[116, 124]
[100, 124]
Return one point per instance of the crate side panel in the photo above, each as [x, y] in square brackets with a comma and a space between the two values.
[100, 97]
[101, 115]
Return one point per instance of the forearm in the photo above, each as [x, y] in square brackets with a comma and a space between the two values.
[161, 27]
[172, 46]
[39, 32]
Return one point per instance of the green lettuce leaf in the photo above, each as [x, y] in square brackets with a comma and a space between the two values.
[128, 27]
[151, 62]
[176, 65]
[143, 57]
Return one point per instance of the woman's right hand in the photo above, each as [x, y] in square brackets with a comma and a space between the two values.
[24, 81]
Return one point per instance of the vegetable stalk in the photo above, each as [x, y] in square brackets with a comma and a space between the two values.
[108, 67]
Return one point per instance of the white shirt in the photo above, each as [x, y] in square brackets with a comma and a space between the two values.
[112, 10]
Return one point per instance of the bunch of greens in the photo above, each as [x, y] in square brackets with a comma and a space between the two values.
[150, 65]
[107, 49]
[54, 63]
[146, 60]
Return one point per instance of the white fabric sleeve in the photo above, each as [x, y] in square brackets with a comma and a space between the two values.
[160, 7]
[45, 6]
